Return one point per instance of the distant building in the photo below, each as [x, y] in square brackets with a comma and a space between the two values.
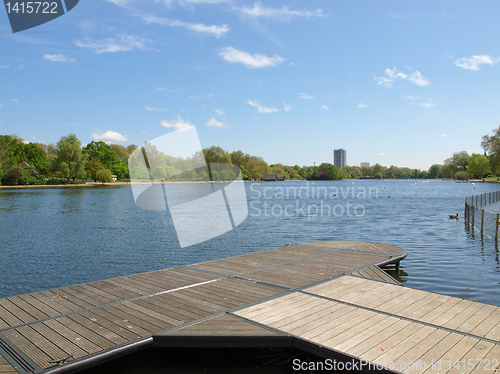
[273, 177]
[365, 164]
[339, 158]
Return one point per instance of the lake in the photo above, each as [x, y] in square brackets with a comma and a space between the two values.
[62, 236]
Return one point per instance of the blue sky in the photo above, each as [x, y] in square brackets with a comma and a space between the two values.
[393, 82]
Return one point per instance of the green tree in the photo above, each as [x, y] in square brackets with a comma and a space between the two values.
[462, 175]
[478, 165]
[70, 160]
[121, 152]
[491, 146]
[106, 156]
[104, 176]
[434, 171]
[458, 162]
[92, 166]
[11, 151]
[36, 156]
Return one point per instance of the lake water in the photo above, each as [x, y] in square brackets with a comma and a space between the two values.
[57, 237]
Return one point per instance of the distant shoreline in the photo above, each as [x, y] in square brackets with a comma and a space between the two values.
[97, 184]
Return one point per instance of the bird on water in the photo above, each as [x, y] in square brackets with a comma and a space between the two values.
[452, 216]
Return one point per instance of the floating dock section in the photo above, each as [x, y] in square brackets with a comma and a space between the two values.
[328, 298]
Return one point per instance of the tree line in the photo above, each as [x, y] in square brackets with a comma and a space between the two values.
[67, 161]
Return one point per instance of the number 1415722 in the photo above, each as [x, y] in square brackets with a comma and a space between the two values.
[31, 7]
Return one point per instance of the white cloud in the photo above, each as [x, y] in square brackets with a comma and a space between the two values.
[14, 100]
[163, 89]
[1, 106]
[392, 75]
[109, 136]
[418, 79]
[428, 105]
[120, 44]
[177, 124]
[287, 107]
[214, 30]
[262, 109]
[306, 96]
[212, 122]
[361, 105]
[445, 135]
[474, 62]
[325, 107]
[195, 97]
[58, 58]
[254, 61]
[411, 97]
[220, 112]
[381, 154]
[150, 108]
[4, 66]
[278, 14]
[2, 121]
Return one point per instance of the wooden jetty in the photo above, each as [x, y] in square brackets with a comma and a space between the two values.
[327, 298]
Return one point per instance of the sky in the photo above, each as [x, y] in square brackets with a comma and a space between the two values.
[391, 82]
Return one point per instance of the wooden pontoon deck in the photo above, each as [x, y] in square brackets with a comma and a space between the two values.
[327, 298]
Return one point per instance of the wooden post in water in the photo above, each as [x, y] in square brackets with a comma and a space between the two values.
[473, 214]
[465, 211]
[496, 228]
[482, 221]
[481, 200]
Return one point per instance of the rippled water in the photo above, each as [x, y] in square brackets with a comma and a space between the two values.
[56, 237]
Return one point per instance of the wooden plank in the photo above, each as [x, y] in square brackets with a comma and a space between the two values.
[487, 324]
[377, 339]
[356, 329]
[38, 342]
[60, 341]
[133, 320]
[170, 322]
[368, 333]
[459, 305]
[39, 357]
[348, 319]
[455, 352]
[281, 318]
[87, 345]
[478, 317]
[122, 326]
[145, 315]
[49, 302]
[49, 310]
[476, 353]
[256, 309]
[5, 367]
[84, 331]
[391, 341]
[16, 311]
[125, 333]
[60, 298]
[9, 318]
[413, 355]
[463, 316]
[433, 357]
[324, 328]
